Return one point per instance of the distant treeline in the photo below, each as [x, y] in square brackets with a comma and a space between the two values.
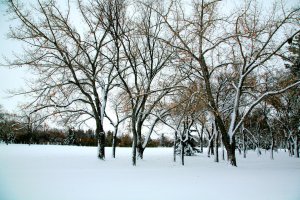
[12, 131]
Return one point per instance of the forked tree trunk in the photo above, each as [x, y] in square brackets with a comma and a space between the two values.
[210, 146]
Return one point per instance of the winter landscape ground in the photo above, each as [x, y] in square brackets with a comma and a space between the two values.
[48, 172]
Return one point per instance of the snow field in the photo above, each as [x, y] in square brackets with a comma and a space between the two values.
[50, 172]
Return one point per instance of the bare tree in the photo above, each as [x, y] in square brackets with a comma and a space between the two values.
[142, 65]
[244, 43]
[70, 60]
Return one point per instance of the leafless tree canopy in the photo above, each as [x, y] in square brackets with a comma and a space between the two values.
[187, 65]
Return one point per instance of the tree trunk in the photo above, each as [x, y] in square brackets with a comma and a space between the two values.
[216, 147]
[223, 152]
[134, 147]
[244, 145]
[296, 145]
[114, 143]
[291, 149]
[231, 152]
[258, 148]
[208, 151]
[140, 150]
[174, 149]
[101, 140]
[212, 147]
[201, 141]
[182, 152]
[29, 130]
[101, 146]
[139, 145]
[272, 146]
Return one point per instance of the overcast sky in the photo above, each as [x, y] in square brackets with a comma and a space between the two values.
[9, 79]
[12, 79]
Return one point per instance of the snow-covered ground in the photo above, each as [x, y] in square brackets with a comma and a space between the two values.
[39, 172]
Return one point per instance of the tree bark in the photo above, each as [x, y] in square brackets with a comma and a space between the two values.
[114, 143]
[182, 152]
[231, 153]
[174, 148]
[201, 141]
[212, 152]
[290, 147]
[134, 148]
[139, 145]
[244, 145]
[296, 145]
[272, 146]
[140, 150]
[258, 147]
[223, 152]
[217, 147]
[101, 140]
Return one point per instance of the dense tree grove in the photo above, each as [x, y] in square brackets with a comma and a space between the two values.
[190, 71]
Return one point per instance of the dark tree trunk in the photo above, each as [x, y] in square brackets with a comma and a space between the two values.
[290, 148]
[134, 139]
[212, 147]
[272, 146]
[114, 147]
[200, 135]
[114, 143]
[244, 145]
[223, 152]
[134, 148]
[258, 147]
[296, 144]
[101, 140]
[139, 145]
[174, 148]
[201, 141]
[217, 147]
[29, 130]
[208, 151]
[182, 152]
[140, 150]
[101, 146]
[231, 153]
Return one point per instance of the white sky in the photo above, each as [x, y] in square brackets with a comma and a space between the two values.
[12, 79]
